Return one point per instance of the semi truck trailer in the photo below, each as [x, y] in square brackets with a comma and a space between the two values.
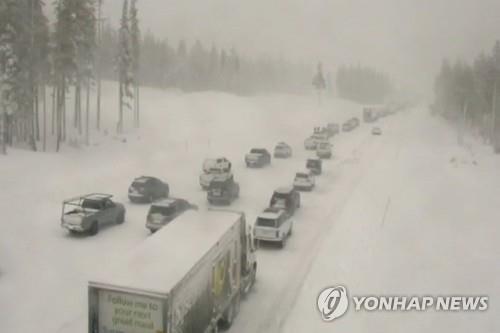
[189, 277]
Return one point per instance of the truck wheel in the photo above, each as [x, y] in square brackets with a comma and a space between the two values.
[120, 218]
[229, 315]
[94, 229]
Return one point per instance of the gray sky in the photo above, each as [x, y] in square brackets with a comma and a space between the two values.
[406, 38]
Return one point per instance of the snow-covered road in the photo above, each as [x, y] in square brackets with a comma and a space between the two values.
[340, 234]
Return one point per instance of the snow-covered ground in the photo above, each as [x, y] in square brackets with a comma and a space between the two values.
[438, 235]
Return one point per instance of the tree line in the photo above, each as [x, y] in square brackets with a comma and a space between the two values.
[468, 93]
[64, 55]
[45, 65]
[363, 84]
[200, 66]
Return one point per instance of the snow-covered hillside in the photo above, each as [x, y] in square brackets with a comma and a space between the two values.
[438, 234]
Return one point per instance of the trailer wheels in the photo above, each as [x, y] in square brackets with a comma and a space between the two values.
[94, 229]
[230, 313]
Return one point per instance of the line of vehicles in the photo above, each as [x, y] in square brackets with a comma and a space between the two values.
[201, 292]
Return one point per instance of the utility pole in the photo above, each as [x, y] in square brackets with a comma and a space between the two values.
[3, 130]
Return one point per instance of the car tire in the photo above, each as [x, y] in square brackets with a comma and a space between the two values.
[120, 218]
[94, 229]
[229, 315]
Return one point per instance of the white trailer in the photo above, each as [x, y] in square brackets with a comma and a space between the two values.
[188, 277]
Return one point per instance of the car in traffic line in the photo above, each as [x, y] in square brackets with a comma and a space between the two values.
[282, 150]
[304, 181]
[147, 189]
[214, 168]
[87, 213]
[324, 150]
[376, 131]
[258, 158]
[164, 211]
[315, 165]
[286, 198]
[273, 225]
[223, 192]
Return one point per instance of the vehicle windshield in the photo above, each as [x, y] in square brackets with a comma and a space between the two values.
[162, 210]
[91, 204]
[257, 151]
[139, 184]
[312, 164]
[301, 175]
[265, 222]
[217, 185]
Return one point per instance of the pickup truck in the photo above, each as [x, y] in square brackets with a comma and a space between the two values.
[215, 168]
[87, 213]
[188, 277]
[258, 157]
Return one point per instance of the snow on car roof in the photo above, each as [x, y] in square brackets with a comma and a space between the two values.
[165, 202]
[142, 179]
[271, 213]
[284, 189]
[158, 263]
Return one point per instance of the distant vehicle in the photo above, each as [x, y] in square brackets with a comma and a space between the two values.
[282, 150]
[286, 198]
[312, 142]
[223, 192]
[219, 168]
[376, 131]
[324, 150]
[273, 225]
[304, 181]
[87, 213]
[189, 277]
[355, 122]
[333, 128]
[147, 189]
[347, 126]
[369, 114]
[258, 158]
[315, 165]
[164, 211]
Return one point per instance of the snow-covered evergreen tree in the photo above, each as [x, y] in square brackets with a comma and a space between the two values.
[135, 41]
[124, 66]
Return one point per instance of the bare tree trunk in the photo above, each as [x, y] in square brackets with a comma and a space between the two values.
[120, 115]
[3, 131]
[87, 112]
[98, 67]
[54, 104]
[44, 99]
[37, 114]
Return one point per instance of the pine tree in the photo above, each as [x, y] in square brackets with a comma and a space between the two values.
[135, 41]
[124, 66]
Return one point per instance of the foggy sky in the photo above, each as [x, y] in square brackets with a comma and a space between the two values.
[406, 38]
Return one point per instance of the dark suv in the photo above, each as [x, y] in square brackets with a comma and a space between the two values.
[286, 198]
[164, 211]
[147, 189]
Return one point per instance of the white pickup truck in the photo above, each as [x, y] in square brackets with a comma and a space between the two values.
[188, 277]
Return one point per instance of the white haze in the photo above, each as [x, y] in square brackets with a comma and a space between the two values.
[406, 38]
